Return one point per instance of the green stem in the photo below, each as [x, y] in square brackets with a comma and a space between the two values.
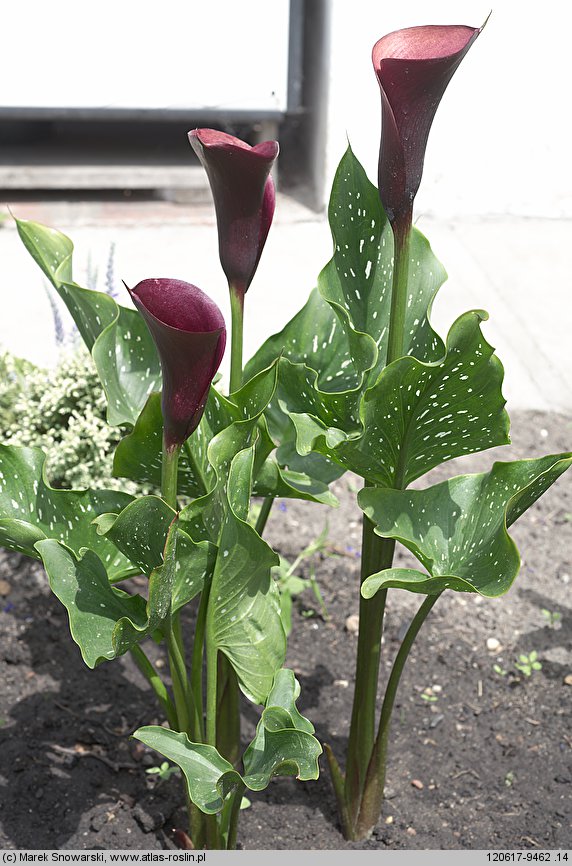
[169, 474]
[237, 323]
[214, 842]
[265, 509]
[178, 677]
[375, 780]
[377, 554]
[228, 721]
[396, 335]
[187, 714]
[197, 658]
[338, 782]
[156, 683]
[233, 819]
[211, 703]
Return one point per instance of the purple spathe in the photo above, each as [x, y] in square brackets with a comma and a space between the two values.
[413, 68]
[244, 198]
[190, 335]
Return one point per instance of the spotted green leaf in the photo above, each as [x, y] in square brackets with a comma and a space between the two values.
[243, 619]
[138, 455]
[32, 510]
[143, 531]
[123, 350]
[283, 746]
[356, 282]
[419, 415]
[458, 529]
[98, 612]
[336, 346]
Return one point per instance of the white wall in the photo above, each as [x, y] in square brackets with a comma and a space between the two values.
[132, 54]
[501, 142]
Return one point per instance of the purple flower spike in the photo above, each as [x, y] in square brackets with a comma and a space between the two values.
[413, 68]
[244, 198]
[190, 335]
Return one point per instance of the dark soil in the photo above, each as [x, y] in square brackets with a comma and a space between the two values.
[490, 755]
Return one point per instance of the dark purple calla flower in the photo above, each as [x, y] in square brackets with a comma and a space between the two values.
[244, 198]
[189, 332]
[413, 68]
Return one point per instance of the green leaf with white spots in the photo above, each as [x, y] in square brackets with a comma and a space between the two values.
[203, 767]
[32, 510]
[273, 480]
[123, 350]
[96, 610]
[336, 346]
[138, 455]
[283, 746]
[51, 250]
[128, 366]
[243, 619]
[140, 531]
[419, 415]
[143, 531]
[341, 333]
[356, 282]
[458, 529]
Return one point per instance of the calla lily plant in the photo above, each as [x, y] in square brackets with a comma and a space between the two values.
[357, 381]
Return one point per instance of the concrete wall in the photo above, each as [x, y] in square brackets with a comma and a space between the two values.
[500, 143]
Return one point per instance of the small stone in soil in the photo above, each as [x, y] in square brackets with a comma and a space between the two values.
[411, 831]
[417, 783]
[352, 623]
[568, 680]
[493, 645]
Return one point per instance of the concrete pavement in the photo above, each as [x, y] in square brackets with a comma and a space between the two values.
[515, 268]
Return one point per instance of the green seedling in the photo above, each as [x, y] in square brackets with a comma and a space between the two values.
[526, 664]
[164, 771]
[552, 616]
[429, 696]
[500, 671]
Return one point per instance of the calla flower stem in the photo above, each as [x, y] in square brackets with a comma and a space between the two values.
[230, 817]
[178, 676]
[372, 797]
[211, 703]
[197, 658]
[169, 474]
[187, 712]
[401, 234]
[265, 509]
[377, 553]
[237, 326]
[156, 684]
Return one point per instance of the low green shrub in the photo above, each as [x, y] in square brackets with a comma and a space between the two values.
[62, 411]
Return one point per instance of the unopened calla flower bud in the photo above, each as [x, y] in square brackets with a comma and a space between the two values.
[190, 334]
